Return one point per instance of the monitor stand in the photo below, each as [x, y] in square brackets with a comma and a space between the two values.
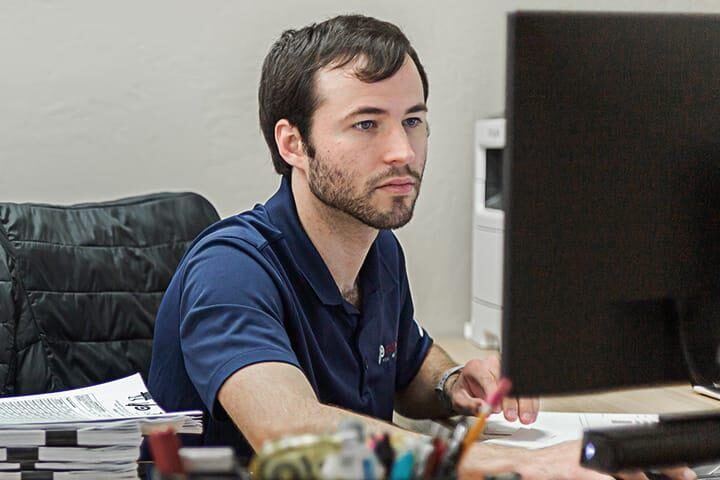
[679, 438]
[674, 440]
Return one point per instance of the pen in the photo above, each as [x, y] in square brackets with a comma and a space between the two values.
[493, 401]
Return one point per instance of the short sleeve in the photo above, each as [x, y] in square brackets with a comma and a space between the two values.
[413, 341]
[230, 316]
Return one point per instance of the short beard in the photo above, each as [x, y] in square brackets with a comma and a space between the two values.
[334, 188]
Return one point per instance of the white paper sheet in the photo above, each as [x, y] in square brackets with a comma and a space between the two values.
[711, 392]
[555, 427]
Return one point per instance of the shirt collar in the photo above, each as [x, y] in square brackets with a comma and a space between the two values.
[283, 214]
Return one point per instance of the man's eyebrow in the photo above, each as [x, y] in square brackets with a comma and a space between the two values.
[366, 111]
[420, 107]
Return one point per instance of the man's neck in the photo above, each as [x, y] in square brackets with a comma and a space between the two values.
[342, 241]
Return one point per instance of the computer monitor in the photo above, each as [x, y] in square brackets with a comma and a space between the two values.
[612, 185]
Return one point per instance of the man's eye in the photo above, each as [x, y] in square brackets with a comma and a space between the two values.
[364, 125]
[412, 122]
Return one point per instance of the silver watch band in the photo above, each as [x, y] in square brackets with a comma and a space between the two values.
[440, 386]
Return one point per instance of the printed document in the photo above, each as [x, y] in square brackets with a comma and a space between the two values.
[126, 398]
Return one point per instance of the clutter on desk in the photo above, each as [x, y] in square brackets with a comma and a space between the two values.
[349, 453]
[173, 462]
[346, 454]
[92, 432]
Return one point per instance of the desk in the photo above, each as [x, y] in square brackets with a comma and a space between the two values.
[665, 399]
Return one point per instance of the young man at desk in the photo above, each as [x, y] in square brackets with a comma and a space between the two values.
[296, 315]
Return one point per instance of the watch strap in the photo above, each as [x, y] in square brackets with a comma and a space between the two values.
[440, 386]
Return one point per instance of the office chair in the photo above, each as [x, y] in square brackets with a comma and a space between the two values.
[80, 286]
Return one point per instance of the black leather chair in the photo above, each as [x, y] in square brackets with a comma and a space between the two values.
[80, 286]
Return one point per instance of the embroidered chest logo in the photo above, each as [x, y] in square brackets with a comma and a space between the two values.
[387, 352]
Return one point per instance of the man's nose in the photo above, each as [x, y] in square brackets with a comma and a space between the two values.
[398, 150]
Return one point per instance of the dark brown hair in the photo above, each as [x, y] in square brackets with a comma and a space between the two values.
[288, 72]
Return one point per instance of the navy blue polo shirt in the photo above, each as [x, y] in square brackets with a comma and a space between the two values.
[252, 288]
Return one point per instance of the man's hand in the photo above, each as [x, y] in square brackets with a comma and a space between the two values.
[477, 380]
[560, 462]
[467, 390]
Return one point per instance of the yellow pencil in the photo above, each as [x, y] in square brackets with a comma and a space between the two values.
[494, 400]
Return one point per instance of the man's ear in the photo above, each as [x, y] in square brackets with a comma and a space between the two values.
[290, 144]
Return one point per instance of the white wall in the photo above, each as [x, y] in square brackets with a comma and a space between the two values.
[103, 99]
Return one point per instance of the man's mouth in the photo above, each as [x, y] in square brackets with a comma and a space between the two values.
[398, 185]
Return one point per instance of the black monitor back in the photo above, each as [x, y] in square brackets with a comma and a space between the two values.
[612, 177]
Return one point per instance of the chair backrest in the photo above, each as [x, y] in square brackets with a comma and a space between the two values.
[80, 286]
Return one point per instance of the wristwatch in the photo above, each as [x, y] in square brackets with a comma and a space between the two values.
[440, 387]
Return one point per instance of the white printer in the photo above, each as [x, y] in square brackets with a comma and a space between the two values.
[484, 327]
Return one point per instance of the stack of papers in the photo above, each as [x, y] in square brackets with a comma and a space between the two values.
[92, 432]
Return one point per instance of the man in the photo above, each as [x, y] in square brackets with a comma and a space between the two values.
[298, 314]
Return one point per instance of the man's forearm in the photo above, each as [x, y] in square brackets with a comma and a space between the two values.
[319, 418]
[419, 399]
[271, 400]
[333, 416]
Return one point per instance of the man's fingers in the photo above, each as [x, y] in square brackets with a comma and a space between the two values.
[510, 409]
[480, 378]
[528, 409]
[524, 409]
[466, 405]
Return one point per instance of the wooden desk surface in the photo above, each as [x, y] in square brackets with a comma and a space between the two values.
[666, 399]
